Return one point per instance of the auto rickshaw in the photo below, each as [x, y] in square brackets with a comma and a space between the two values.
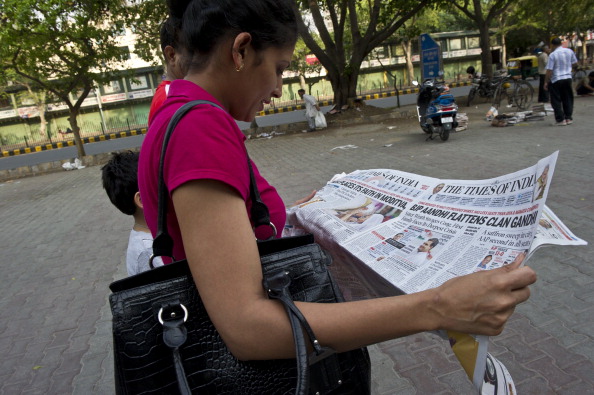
[524, 67]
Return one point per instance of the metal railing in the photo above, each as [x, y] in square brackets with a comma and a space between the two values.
[56, 134]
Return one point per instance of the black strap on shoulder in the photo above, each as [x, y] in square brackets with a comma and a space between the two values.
[163, 243]
[259, 211]
[277, 285]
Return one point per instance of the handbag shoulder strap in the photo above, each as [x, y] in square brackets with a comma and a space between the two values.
[278, 288]
[163, 243]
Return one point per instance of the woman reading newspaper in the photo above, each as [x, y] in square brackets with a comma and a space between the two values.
[237, 51]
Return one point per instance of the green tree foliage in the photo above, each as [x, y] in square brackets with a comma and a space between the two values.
[10, 82]
[429, 20]
[304, 69]
[540, 21]
[484, 14]
[349, 30]
[62, 46]
[144, 18]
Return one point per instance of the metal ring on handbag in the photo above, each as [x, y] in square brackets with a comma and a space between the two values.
[152, 258]
[183, 308]
[273, 231]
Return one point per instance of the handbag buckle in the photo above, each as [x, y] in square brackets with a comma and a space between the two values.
[153, 256]
[271, 225]
[319, 354]
[160, 314]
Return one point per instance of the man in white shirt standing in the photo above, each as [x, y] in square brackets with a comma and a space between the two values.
[311, 109]
[558, 82]
[543, 59]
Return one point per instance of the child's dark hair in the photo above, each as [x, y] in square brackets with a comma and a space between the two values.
[204, 23]
[120, 180]
[169, 32]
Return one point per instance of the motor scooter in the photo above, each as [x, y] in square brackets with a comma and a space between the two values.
[436, 108]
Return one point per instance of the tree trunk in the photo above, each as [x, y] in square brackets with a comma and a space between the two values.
[503, 51]
[42, 121]
[76, 131]
[344, 86]
[486, 60]
[583, 39]
[302, 82]
[410, 69]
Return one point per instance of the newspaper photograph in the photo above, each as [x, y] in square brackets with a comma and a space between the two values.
[399, 232]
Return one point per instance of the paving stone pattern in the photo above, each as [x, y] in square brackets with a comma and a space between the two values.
[63, 242]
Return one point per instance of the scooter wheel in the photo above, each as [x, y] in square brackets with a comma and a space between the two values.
[445, 131]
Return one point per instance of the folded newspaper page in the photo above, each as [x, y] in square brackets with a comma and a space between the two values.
[398, 232]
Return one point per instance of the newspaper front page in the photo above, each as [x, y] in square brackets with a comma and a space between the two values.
[400, 232]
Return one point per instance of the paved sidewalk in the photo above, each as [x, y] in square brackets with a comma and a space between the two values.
[63, 243]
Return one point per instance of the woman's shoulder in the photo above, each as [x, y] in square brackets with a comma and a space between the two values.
[207, 112]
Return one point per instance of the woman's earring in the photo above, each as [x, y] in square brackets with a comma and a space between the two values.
[239, 68]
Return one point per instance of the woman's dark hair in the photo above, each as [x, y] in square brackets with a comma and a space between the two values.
[120, 180]
[204, 23]
[470, 70]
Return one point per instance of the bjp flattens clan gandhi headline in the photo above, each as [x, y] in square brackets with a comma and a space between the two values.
[398, 231]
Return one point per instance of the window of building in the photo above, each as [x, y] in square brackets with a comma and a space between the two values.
[397, 50]
[113, 86]
[416, 49]
[138, 82]
[5, 102]
[124, 53]
[379, 52]
[474, 42]
[24, 99]
[456, 44]
[119, 30]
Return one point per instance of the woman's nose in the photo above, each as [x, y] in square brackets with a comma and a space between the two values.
[277, 92]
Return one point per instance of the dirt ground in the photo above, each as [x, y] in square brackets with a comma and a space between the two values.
[359, 112]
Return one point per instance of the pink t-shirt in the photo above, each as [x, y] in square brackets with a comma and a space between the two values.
[206, 144]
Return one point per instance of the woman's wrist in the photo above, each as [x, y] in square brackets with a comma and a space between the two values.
[431, 310]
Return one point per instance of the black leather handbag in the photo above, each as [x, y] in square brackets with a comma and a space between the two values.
[165, 343]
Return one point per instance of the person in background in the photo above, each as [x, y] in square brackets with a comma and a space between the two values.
[173, 66]
[586, 85]
[120, 181]
[543, 58]
[558, 82]
[237, 51]
[472, 73]
[311, 109]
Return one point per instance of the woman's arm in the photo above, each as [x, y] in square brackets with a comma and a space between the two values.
[223, 257]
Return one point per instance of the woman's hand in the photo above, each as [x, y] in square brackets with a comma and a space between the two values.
[305, 199]
[482, 302]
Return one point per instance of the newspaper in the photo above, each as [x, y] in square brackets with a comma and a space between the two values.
[399, 232]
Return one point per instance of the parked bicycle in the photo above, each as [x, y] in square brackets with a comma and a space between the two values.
[514, 92]
[501, 89]
[482, 86]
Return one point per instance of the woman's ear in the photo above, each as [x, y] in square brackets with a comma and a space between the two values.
[138, 200]
[240, 49]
